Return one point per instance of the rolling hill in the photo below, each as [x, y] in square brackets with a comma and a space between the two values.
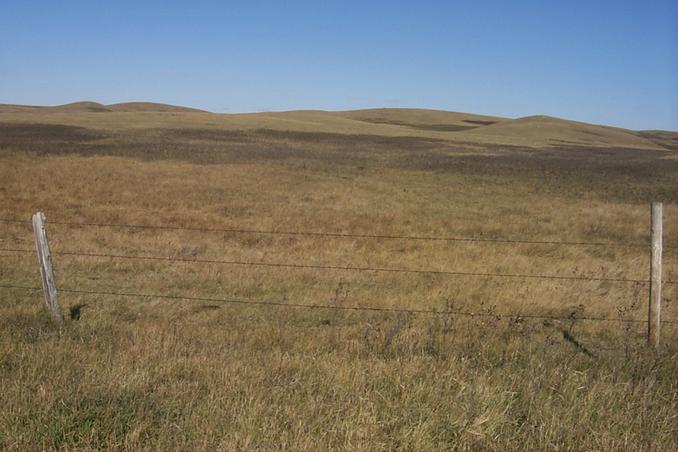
[531, 131]
[432, 120]
[95, 107]
[541, 131]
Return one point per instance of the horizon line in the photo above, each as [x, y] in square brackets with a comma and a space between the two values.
[326, 110]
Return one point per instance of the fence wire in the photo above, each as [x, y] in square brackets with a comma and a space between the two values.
[336, 234]
[340, 267]
[340, 307]
[335, 267]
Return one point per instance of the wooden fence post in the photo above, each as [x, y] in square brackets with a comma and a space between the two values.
[45, 264]
[654, 312]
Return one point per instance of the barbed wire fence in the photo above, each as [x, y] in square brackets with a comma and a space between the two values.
[51, 300]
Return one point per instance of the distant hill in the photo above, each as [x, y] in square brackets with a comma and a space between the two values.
[149, 106]
[467, 128]
[80, 107]
[663, 138]
[95, 107]
[538, 131]
[434, 120]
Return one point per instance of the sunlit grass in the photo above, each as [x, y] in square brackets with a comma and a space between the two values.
[180, 374]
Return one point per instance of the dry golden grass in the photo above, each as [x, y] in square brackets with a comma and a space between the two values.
[179, 374]
[462, 128]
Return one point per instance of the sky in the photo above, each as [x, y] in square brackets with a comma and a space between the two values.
[605, 62]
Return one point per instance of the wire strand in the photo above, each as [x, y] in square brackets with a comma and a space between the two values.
[339, 267]
[335, 307]
[338, 234]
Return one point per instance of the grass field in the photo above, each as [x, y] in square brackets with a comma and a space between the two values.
[179, 374]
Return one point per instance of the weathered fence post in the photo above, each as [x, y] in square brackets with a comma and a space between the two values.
[654, 312]
[45, 264]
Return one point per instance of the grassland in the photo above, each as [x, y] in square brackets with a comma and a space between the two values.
[177, 374]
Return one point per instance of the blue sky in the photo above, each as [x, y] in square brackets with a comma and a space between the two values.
[610, 62]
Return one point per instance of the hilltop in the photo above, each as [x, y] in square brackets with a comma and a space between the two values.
[96, 107]
[531, 131]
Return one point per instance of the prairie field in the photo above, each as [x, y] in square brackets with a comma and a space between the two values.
[508, 360]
